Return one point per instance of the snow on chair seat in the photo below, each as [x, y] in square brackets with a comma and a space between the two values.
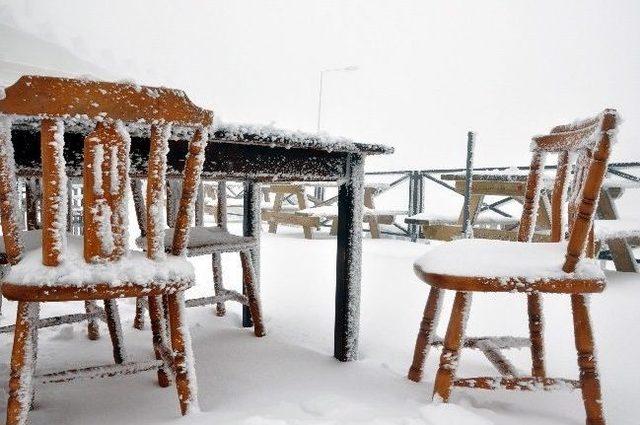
[133, 272]
[504, 266]
[207, 240]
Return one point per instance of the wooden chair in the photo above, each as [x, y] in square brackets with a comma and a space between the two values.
[99, 266]
[214, 241]
[529, 268]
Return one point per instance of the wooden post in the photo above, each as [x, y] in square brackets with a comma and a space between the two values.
[467, 229]
[221, 211]
[348, 261]
[199, 220]
[251, 227]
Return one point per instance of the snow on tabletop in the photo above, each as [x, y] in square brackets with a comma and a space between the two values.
[272, 136]
[620, 182]
[332, 211]
[135, 268]
[614, 229]
[501, 259]
[483, 218]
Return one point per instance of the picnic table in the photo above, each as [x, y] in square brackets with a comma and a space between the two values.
[254, 155]
[620, 235]
[489, 222]
[310, 212]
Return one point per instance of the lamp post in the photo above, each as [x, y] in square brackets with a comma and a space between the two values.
[345, 69]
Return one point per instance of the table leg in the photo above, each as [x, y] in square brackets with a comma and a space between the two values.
[251, 227]
[348, 261]
[621, 252]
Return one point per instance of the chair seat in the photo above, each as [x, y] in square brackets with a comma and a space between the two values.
[134, 275]
[502, 266]
[207, 240]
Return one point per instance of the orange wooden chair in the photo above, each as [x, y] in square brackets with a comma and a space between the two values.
[99, 266]
[468, 266]
[214, 241]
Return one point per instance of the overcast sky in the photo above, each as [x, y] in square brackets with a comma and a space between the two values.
[428, 71]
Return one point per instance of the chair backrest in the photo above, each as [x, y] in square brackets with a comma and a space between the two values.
[110, 109]
[583, 150]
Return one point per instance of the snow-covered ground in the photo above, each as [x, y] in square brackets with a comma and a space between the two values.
[290, 377]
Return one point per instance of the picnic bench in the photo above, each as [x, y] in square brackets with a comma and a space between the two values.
[488, 222]
[311, 213]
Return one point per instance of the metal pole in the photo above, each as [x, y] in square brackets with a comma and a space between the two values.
[320, 102]
[467, 228]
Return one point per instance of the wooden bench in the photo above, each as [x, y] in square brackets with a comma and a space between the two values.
[311, 213]
[504, 184]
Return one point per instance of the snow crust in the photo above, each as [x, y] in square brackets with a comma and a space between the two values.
[135, 268]
[616, 229]
[503, 259]
[483, 218]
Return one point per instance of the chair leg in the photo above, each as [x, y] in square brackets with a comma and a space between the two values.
[252, 292]
[93, 329]
[115, 330]
[218, 285]
[183, 355]
[589, 376]
[22, 363]
[452, 344]
[426, 333]
[34, 350]
[536, 332]
[138, 321]
[158, 329]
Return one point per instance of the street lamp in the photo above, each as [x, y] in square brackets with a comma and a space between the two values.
[345, 69]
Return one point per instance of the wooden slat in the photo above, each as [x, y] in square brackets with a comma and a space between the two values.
[518, 384]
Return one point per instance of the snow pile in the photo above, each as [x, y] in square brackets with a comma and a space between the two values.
[502, 259]
[135, 268]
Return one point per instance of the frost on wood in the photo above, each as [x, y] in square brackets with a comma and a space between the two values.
[9, 180]
[272, 136]
[59, 225]
[156, 202]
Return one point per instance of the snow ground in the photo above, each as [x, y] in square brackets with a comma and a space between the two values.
[289, 377]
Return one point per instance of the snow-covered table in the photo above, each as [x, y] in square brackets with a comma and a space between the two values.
[257, 154]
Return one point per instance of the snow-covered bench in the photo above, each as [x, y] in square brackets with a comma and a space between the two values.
[374, 217]
[304, 212]
[620, 236]
[486, 225]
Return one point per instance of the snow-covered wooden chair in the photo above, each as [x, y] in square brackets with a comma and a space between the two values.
[215, 241]
[98, 265]
[474, 265]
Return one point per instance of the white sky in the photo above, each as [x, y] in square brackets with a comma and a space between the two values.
[429, 71]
